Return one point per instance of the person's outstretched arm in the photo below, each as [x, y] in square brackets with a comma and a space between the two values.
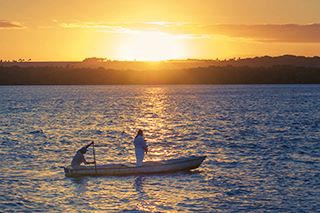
[91, 162]
[88, 162]
[87, 146]
[145, 146]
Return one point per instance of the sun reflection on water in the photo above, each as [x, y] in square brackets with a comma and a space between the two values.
[253, 161]
[153, 111]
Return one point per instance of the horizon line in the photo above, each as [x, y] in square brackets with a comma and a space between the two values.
[104, 60]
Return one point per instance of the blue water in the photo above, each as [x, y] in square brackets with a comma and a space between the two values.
[262, 143]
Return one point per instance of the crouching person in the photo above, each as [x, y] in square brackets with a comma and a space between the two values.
[79, 158]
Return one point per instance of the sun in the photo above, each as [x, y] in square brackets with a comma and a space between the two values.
[150, 46]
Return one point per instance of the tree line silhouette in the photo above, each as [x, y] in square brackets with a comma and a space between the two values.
[279, 74]
[94, 62]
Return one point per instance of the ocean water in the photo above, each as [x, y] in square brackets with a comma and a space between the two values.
[262, 144]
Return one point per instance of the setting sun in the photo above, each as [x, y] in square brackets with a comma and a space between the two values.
[150, 46]
[157, 30]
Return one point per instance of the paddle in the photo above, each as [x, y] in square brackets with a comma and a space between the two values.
[94, 157]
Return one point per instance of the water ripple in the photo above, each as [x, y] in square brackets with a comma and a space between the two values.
[262, 146]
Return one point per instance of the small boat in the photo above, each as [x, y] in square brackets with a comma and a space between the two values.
[149, 167]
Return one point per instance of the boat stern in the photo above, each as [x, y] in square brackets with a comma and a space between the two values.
[67, 171]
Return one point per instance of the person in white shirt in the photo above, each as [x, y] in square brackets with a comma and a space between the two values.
[141, 147]
[78, 159]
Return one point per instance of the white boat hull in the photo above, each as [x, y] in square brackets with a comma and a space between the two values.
[150, 167]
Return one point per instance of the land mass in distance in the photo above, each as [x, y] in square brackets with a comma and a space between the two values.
[287, 69]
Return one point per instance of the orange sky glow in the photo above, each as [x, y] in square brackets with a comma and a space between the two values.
[152, 30]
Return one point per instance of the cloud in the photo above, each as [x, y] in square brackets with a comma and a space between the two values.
[95, 25]
[135, 28]
[158, 28]
[121, 28]
[4, 24]
[269, 32]
[290, 33]
[101, 27]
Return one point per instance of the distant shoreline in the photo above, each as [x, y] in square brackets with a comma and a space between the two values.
[277, 74]
[265, 61]
[286, 69]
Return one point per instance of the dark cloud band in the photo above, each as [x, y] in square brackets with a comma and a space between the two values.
[269, 32]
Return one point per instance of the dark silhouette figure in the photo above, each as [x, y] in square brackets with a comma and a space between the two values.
[79, 158]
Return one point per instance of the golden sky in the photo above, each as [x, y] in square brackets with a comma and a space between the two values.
[46, 30]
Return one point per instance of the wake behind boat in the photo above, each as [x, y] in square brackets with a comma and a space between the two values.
[148, 167]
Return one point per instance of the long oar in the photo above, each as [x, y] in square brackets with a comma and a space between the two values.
[94, 157]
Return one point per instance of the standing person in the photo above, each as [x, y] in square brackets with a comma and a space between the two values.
[78, 159]
[140, 146]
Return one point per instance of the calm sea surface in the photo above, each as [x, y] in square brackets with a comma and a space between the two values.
[262, 143]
